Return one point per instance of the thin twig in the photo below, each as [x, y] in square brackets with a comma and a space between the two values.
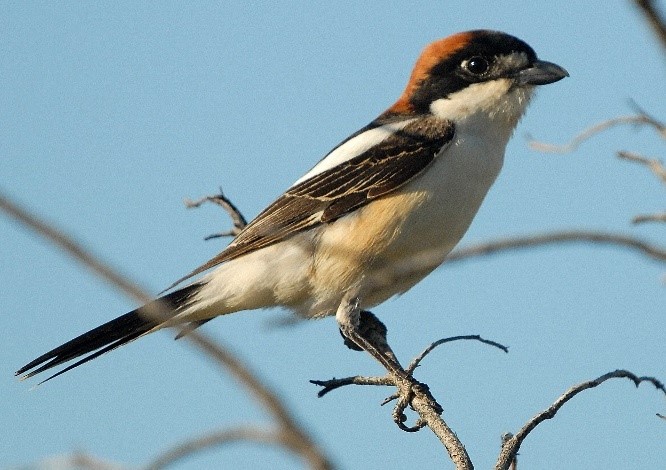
[565, 236]
[659, 170]
[595, 129]
[642, 218]
[652, 120]
[655, 166]
[82, 460]
[308, 449]
[654, 19]
[76, 460]
[417, 360]
[223, 201]
[219, 438]
[512, 445]
[332, 384]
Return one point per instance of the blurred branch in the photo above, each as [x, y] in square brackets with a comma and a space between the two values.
[512, 243]
[219, 438]
[642, 218]
[654, 19]
[655, 166]
[641, 118]
[290, 430]
[512, 444]
[550, 238]
[81, 460]
[75, 460]
[68, 245]
[307, 448]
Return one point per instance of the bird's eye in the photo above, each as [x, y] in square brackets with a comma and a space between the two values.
[477, 65]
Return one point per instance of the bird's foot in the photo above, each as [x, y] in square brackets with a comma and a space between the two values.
[363, 331]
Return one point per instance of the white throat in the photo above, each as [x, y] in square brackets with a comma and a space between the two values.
[496, 104]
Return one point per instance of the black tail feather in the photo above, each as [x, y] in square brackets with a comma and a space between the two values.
[106, 337]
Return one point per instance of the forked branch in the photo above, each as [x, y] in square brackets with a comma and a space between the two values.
[512, 444]
[421, 401]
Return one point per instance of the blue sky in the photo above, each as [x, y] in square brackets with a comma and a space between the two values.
[113, 113]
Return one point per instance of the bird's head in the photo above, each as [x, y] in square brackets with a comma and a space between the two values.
[475, 72]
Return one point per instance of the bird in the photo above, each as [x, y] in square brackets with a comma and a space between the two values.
[372, 218]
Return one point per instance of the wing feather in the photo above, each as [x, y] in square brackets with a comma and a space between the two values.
[332, 193]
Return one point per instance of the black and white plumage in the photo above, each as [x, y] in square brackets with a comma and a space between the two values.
[377, 213]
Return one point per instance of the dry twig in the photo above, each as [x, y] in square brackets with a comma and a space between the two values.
[549, 238]
[417, 360]
[511, 445]
[655, 166]
[219, 438]
[230, 208]
[641, 118]
[654, 19]
[421, 401]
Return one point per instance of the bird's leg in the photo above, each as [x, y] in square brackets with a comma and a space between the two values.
[362, 331]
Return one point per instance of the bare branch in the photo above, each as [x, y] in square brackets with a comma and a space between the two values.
[386, 380]
[511, 446]
[417, 360]
[652, 120]
[586, 134]
[654, 19]
[416, 395]
[74, 249]
[429, 416]
[78, 460]
[221, 200]
[656, 166]
[658, 169]
[308, 449]
[421, 402]
[642, 218]
[566, 236]
[332, 384]
[514, 462]
[219, 438]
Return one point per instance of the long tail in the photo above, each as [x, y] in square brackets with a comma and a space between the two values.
[106, 337]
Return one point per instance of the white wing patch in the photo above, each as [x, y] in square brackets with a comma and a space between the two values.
[354, 147]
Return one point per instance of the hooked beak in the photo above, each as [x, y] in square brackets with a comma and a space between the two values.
[541, 73]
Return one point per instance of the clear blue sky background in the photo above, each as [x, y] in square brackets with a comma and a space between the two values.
[111, 114]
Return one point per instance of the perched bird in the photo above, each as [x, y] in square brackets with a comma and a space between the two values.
[377, 214]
